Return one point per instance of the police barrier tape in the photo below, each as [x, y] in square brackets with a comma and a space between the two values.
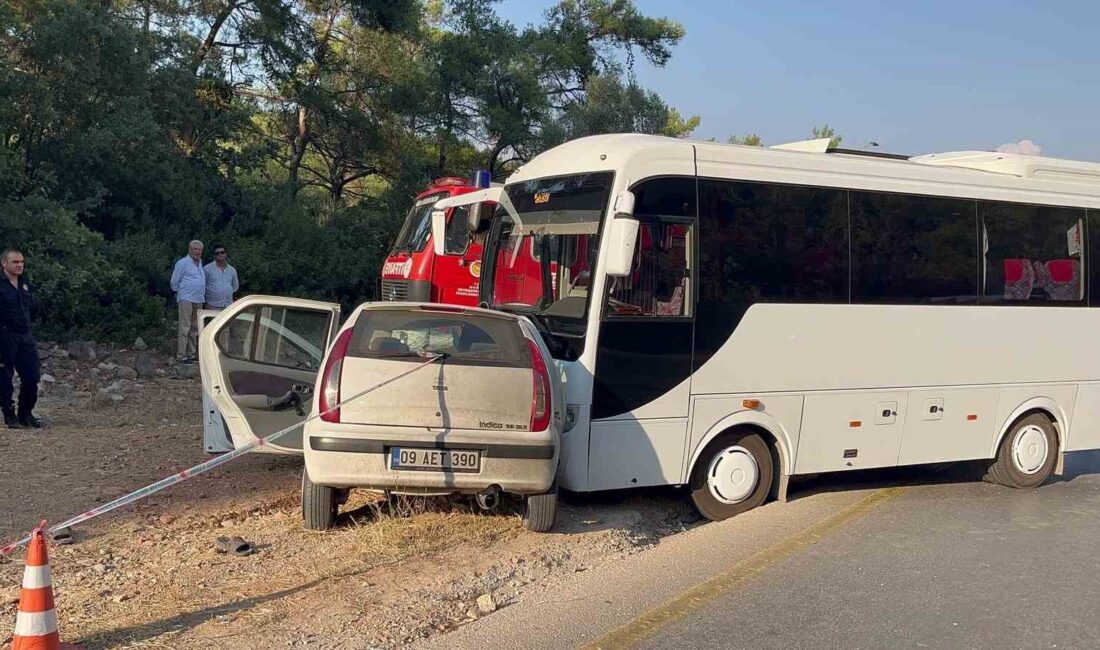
[186, 474]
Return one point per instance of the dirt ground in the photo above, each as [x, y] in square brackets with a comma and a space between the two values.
[149, 575]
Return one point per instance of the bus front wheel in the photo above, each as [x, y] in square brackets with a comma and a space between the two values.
[1027, 453]
[732, 475]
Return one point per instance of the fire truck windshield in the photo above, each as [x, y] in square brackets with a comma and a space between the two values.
[418, 225]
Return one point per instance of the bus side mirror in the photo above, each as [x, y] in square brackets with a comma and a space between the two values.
[439, 231]
[622, 236]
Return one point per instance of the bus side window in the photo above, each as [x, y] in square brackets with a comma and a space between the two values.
[1032, 254]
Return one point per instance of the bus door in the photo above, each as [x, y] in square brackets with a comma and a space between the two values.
[641, 387]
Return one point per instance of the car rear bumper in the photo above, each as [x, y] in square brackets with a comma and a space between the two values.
[520, 466]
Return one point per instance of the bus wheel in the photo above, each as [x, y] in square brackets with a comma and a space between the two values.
[732, 475]
[318, 504]
[1027, 453]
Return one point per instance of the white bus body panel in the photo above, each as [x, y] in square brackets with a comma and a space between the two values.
[939, 426]
[1086, 418]
[802, 348]
[636, 453]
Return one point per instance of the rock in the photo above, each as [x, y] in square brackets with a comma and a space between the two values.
[486, 604]
[139, 344]
[472, 614]
[113, 387]
[118, 598]
[58, 353]
[81, 350]
[48, 379]
[116, 398]
[226, 523]
[107, 368]
[62, 391]
[143, 367]
[44, 353]
[9, 596]
[99, 568]
[166, 519]
[185, 371]
[126, 372]
[161, 372]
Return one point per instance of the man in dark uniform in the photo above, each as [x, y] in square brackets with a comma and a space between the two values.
[18, 349]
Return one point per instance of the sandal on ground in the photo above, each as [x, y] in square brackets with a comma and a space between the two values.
[234, 545]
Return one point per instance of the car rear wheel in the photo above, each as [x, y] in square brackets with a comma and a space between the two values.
[1027, 453]
[318, 504]
[732, 475]
[540, 510]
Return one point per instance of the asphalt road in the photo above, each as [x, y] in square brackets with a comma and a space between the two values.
[905, 558]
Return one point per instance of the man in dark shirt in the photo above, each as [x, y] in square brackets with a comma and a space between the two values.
[18, 349]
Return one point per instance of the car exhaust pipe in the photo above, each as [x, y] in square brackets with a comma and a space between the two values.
[489, 498]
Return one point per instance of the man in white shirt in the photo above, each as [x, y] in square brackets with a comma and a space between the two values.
[189, 283]
[221, 280]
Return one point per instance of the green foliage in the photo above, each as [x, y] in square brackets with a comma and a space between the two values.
[295, 132]
[827, 131]
[751, 140]
[611, 106]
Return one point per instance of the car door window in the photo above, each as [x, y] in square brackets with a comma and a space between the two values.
[278, 336]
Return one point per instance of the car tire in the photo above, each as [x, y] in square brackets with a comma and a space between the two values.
[318, 504]
[1026, 456]
[732, 475]
[540, 511]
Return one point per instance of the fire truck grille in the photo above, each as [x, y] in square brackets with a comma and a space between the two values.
[395, 290]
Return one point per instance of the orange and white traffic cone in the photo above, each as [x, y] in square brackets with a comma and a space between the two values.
[36, 621]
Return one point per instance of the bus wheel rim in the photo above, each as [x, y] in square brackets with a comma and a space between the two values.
[733, 475]
[1029, 449]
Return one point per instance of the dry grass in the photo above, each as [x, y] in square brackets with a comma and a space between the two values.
[183, 583]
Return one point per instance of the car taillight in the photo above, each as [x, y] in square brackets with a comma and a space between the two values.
[540, 397]
[330, 379]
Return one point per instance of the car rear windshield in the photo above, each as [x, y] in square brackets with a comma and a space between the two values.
[470, 338]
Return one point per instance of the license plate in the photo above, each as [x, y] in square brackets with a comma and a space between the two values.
[435, 460]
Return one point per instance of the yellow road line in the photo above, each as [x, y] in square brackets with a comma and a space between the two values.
[678, 607]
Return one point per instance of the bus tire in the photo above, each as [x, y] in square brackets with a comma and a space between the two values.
[540, 511]
[318, 504]
[1027, 453]
[732, 475]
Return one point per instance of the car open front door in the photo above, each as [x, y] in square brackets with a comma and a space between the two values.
[259, 361]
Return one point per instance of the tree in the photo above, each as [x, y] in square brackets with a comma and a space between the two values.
[751, 140]
[611, 106]
[827, 131]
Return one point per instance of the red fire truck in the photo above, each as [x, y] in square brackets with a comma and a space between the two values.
[414, 272]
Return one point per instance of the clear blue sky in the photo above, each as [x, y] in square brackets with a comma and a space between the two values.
[916, 77]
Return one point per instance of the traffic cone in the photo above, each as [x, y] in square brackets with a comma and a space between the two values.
[36, 620]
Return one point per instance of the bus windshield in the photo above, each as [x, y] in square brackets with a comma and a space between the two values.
[418, 225]
[543, 264]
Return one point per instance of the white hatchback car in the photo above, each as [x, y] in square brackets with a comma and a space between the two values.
[411, 398]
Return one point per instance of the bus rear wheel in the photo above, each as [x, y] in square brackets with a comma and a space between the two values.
[1027, 453]
[732, 475]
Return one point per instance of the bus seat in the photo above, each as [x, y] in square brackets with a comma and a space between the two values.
[1019, 279]
[1061, 279]
[675, 305]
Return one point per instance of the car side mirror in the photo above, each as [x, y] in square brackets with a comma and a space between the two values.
[439, 228]
[622, 236]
